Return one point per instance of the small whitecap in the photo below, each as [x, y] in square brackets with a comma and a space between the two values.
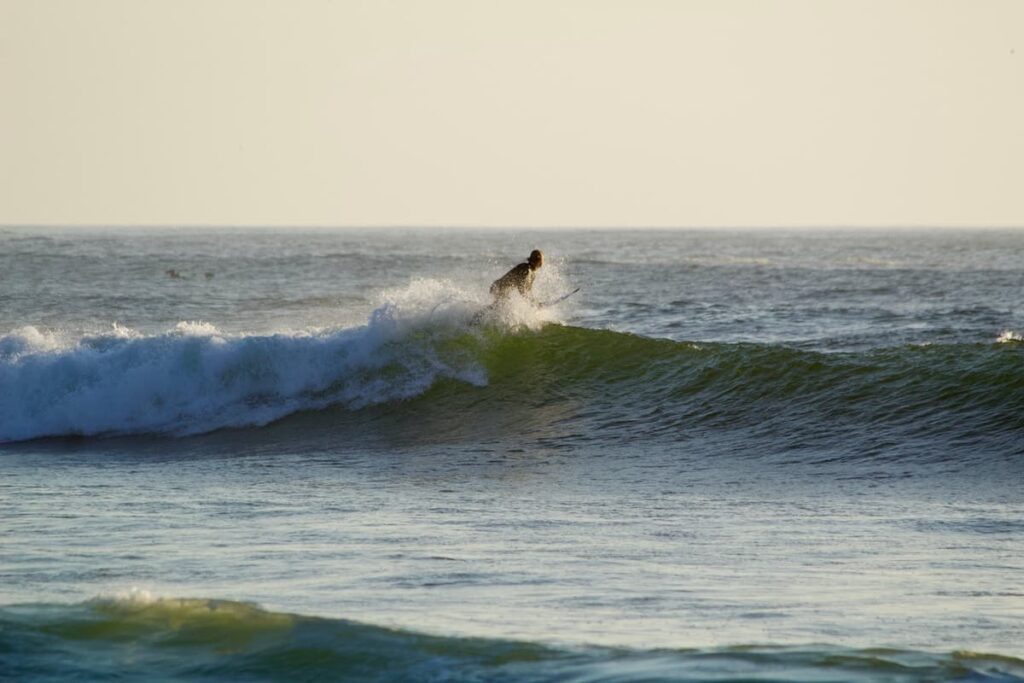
[1008, 336]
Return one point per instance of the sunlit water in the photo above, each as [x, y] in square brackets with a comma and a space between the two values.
[807, 446]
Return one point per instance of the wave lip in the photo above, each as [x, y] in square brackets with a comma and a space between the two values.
[199, 639]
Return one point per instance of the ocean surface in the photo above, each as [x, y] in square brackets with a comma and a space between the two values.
[314, 455]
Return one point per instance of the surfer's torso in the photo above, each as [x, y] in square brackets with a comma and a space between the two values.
[519, 278]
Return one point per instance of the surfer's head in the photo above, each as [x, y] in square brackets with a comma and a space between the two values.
[536, 259]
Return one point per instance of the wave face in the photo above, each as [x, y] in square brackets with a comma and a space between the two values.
[200, 640]
[959, 394]
[507, 373]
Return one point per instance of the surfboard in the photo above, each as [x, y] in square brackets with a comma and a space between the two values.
[559, 299]
[478, 316]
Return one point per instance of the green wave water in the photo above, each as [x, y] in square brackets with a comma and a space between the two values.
[214, 640]
[605, 385]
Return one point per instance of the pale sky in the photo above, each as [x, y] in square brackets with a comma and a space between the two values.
[512, 113]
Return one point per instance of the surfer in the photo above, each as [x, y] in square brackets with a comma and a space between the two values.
[520, 278]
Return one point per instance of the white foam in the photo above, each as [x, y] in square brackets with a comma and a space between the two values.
[195, 328]
[194, 378]
[134, 596]
[1010, 336]
[28, 340]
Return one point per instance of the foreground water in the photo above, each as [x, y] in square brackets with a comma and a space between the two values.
[731, 456]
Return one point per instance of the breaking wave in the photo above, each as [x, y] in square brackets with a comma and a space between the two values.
[195, 379]
[427, 352]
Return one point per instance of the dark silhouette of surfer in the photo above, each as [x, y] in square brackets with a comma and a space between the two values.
[519, 279]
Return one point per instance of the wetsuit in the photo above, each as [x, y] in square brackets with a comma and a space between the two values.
[520, 277]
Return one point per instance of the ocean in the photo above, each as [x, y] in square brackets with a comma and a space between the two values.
[318, 454]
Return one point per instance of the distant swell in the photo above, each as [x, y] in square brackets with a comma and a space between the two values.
[191, 639]
[603, 384]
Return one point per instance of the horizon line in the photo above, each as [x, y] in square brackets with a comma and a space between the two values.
[471, 226]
